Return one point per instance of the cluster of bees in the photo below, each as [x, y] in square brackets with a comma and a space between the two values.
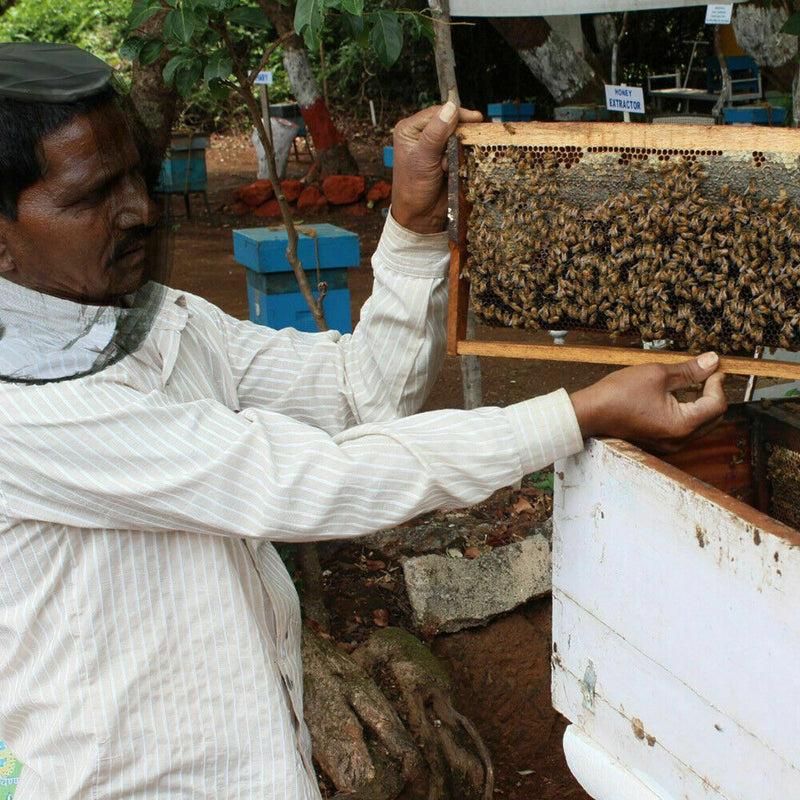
[783, 467]
[651, 248]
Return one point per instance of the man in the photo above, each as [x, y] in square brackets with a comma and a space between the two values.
[149, 648]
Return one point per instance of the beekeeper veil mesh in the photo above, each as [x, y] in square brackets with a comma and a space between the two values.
[83, 260]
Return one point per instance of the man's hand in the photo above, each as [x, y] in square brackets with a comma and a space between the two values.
[419, 189]
[638, 403]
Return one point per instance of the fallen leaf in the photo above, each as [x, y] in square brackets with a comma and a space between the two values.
[454, 552]
[521, 505]
[375, 565]
[472, 552]
[380, 616]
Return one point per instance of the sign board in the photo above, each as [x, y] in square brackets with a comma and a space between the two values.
[546, 8]
[719, 14]
[263, 79]
[625, 98]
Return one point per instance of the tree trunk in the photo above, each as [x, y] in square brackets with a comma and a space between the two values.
[153, 99]
[552, 59]
[758, 32]
[332, 153]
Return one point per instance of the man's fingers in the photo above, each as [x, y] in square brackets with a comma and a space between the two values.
[435, 125]
[710, 405]
[687, 373]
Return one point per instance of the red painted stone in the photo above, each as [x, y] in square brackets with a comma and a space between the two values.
[343, 189]
[308, 199]
[268, 209]
[255, 194]
[292, 189]
[382, 190]
[356, 209]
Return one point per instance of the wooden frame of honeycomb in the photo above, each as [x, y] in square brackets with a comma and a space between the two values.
[689, 234]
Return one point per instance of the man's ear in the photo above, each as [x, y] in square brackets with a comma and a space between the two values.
[6, 261]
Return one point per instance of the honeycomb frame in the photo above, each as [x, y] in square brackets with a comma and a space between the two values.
[631, 146]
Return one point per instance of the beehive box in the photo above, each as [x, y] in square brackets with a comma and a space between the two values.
[511, 112]
[676, 636]
[184, 167]
[630, 232]
[274, 297]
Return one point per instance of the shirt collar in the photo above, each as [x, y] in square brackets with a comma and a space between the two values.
[45, 338]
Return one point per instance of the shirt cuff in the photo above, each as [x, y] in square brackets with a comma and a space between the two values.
[546, 428]
[416, 254]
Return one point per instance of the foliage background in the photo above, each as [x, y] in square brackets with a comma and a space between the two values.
[490, 70]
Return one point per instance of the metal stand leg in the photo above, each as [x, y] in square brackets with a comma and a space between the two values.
[208, 209]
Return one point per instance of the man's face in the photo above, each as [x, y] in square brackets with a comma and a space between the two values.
[81, 229]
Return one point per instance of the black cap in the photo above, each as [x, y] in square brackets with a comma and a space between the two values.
[41, 72]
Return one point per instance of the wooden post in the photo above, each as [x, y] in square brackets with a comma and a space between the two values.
[471, 379]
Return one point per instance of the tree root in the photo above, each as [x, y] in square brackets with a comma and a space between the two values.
[413, 745]
[358, 739]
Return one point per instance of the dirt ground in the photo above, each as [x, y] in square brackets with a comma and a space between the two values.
[500, 672]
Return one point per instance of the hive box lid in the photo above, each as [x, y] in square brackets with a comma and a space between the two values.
[264, 249]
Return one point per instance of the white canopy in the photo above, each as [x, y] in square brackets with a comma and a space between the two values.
[547, 8]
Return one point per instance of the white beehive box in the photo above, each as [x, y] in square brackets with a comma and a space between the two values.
[676, 634]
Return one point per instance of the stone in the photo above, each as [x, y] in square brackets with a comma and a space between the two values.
[355, 209]
[268, 209]
[292, 189]
[379, 194]
[343, 189]
[450, 594]
[254, 194]
[308, 198]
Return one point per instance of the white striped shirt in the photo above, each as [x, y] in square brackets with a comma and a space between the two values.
[149, 633]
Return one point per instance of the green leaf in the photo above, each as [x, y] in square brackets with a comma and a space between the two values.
[171, 68]
[308, 17]
[180, 24]
[351, 7]
[248, 17]
[142, 11]
[218, 89]
[422, 26]
[792, 25]
[151, 51]
[218, 67]
[188, 76]
[386, 36]
[130, 47]
[353, 25]
[214, 5]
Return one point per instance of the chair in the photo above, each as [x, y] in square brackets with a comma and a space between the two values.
[745, 78]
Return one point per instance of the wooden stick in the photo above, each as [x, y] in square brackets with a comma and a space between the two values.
[621, 356]
[728, 138]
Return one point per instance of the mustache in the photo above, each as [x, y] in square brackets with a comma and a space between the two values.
[135, 238]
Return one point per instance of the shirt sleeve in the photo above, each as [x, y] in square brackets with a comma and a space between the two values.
[384, 370]
[118, 459]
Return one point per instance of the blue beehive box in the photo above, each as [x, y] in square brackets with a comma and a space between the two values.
[273, 293]
[511, 112]
[388, 156]
[184, 167]
[754, 115]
